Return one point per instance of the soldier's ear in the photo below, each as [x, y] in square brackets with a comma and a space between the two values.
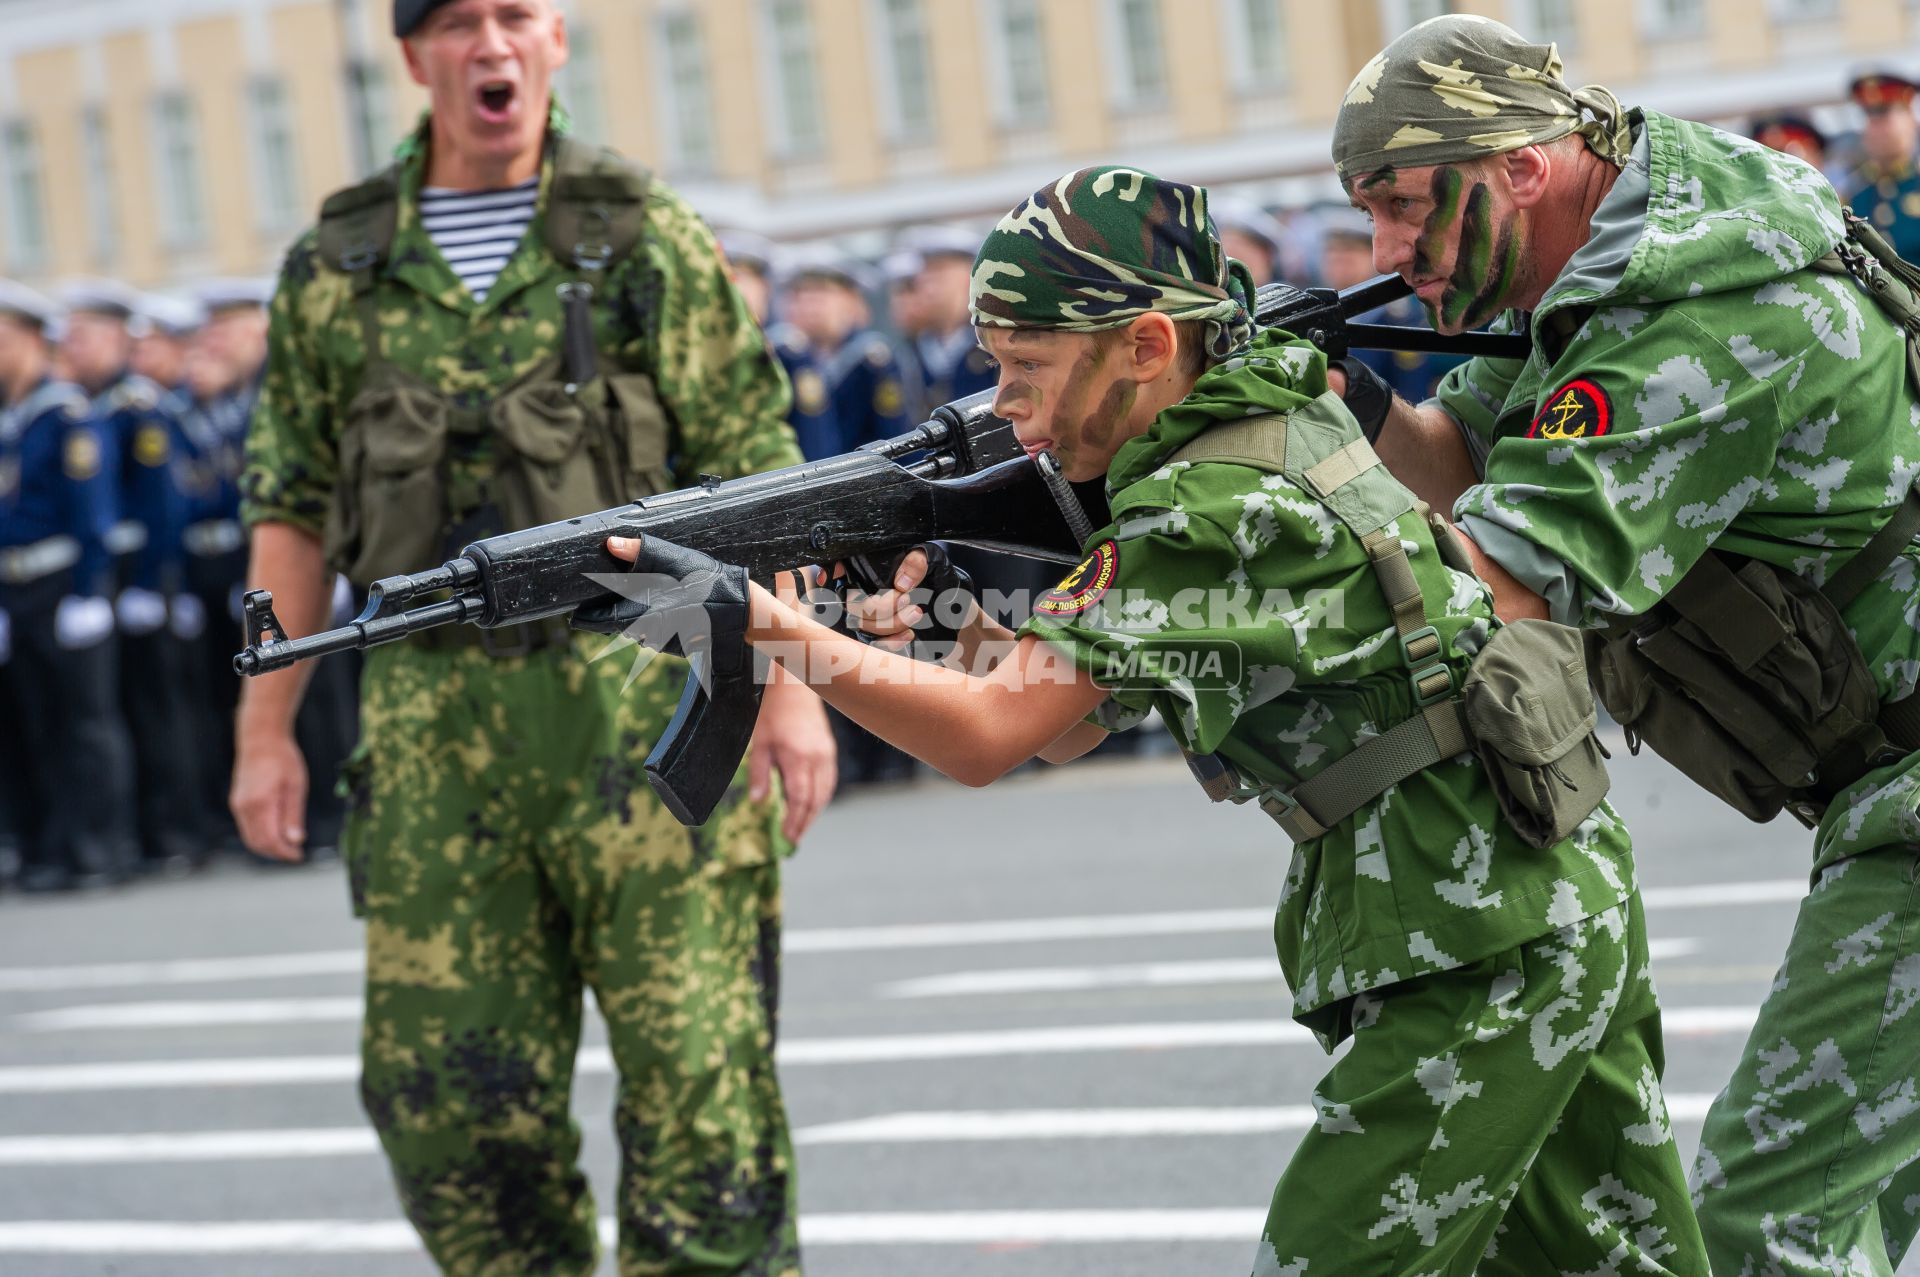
[1153, 343]
[1528, 170]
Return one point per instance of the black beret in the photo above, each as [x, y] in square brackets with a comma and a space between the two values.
[409, 14]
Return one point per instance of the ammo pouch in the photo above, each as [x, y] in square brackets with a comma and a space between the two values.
[1524, 707]
[1531, 717]
[1745, 678]
[421, 477]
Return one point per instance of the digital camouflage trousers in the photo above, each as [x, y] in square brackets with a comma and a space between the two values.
[1503, 1118]
[505, 852]
[1807, 1162]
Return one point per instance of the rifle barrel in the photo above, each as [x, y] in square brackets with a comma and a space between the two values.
[1426, 340]
[268, 657]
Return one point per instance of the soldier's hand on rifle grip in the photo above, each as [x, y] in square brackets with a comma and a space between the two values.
[929, 600]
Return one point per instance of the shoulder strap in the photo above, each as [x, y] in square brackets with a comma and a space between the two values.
[1340, 468]
[1872, 558]
[596, 211]
[357, 226]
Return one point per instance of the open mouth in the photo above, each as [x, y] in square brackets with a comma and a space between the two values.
[1037, 446]
[496, 98]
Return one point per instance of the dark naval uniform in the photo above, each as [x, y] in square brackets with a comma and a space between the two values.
[812, 415]
[867, 388]
[214, 432]
[66, 747]
[155, 692]
[1890, 199]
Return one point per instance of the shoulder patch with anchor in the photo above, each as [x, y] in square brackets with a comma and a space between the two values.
[1578, 410]
[1085, 585]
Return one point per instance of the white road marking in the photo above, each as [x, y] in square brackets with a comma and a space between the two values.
[107, 975]
[1134, 975]
[360, 1237]
[990, 1126]
[287, 1070]
[825, 940]
[1062, 1124]
[194, 1146]
[174, 1015]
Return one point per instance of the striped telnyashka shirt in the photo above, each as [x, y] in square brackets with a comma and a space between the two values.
[477, 231]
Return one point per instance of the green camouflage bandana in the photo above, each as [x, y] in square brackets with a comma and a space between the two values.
[1103, 246]
[1459, 87]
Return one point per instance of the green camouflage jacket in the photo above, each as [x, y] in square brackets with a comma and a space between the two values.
[1217, 556]
[1712, 391]
[726, 393]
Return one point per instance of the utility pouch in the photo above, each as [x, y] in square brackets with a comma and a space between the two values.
[389, 511]
[1531, 717]
[1747, 680]
[574, 451]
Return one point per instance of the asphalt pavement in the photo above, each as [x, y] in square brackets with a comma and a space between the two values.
[1032, 1030]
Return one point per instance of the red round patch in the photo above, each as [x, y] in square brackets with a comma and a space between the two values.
[1085, 585]
[1578, 410]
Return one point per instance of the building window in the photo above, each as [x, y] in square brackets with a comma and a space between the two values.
[276, 171]
[581, 87]
[1141, 58]
[1023, 50]
[183, 214]
[26, 197]
[1673, 17]
[796, 79]
[689, 106]
[1551, 21]
[103, 203]
[1257, 43]
[909, 70]
[1400, 15]
[371, 111]
[1803, 10]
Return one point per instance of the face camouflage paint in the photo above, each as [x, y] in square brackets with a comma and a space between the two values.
[1487, 255]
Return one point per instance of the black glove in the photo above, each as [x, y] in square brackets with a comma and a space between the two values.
[677, 601]
[941, 595]
[1368, 396]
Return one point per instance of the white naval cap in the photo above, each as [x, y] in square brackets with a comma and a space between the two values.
[233, 293]
[166, 315]
[93, 296]
[1232, 213]
[17, 301]
[829, 263]
[746, 249]
[943, 240]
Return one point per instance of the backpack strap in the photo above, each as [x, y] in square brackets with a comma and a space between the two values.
[1323, 455]
[356, 231]
[596, 210]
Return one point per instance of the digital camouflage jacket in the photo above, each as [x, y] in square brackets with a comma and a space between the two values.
[1695, 384]
[1218, 557]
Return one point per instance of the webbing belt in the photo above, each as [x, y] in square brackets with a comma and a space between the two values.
[1350, 782]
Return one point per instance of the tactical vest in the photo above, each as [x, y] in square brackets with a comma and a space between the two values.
[1524, 706]
[1743, 675]
[421, 475]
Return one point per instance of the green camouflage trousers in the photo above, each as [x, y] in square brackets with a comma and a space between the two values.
[505, 851]
[1503, 1117]
[1808, 1160]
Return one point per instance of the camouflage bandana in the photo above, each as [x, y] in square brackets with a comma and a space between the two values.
[1460, 87]
[1103, 246]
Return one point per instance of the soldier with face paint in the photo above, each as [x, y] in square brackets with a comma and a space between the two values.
[1715, 413]
[1500, 1109]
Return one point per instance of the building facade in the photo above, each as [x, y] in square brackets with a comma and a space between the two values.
[160, 140]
